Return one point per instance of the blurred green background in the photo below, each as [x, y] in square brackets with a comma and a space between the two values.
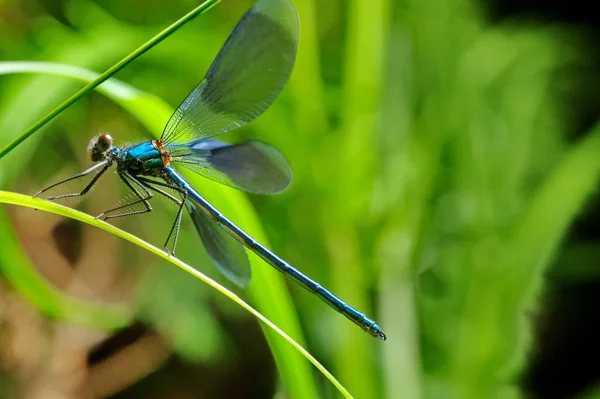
[445, 183]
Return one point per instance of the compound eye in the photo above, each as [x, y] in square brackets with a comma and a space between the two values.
[104, 142]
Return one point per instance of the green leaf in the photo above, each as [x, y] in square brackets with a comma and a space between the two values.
[35, 203]
[537, 238]
[267, 288]
[110, 72]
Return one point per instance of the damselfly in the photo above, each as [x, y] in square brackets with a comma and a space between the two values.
[244, 80]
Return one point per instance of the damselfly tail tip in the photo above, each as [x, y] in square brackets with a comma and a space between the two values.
[375, 331]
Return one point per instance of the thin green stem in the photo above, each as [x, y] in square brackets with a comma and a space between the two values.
[110, 72]
[30, 202]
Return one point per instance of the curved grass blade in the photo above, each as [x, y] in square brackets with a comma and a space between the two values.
[30, 202]
[146, 108]
[110, 72]
[536, 240]
[267, 290]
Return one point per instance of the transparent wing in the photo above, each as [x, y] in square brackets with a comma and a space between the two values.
[228, 254]
[251, 166]
[245, 78]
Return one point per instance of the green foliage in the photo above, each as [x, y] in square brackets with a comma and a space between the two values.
[151, 111]
[96, 318]
[434, 183]
[110, 72]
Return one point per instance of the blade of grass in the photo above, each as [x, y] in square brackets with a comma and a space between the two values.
[396, 244]
[35, 203]
[550, 213]
[306, 82]
[110, 72]
[363, 74]
[25, 100]
[537, 238]
[267, 289]
[147, 108]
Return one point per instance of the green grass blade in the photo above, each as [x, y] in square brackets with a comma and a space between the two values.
[363, 73]
[555, 206]
[148, 109]
[110, 72]
[35, 203]
[538, 236]
[267, 289]
[306, 82]
[398, 296]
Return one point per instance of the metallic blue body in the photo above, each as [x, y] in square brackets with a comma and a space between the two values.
[140, 159]
[143, 151]
[329, 298]
[246, 77]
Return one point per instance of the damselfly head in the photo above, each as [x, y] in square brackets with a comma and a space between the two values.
[99, 145]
